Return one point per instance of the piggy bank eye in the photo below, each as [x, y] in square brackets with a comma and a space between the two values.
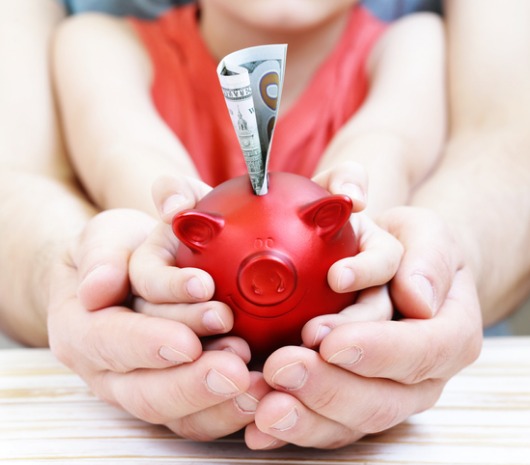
[327, 215]
[196, 229]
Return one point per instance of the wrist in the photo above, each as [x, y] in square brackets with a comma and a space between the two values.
[482, 191]
[384, 157]
[39, 218]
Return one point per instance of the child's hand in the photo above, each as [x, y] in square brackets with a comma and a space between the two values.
[369, 271]
[160, 288]
[370, 376]
[152, 367]
[182, 294]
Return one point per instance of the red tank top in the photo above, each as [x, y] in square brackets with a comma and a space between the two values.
[188, 96]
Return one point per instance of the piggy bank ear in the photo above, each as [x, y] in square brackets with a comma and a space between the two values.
[327, 215]
[195, 229]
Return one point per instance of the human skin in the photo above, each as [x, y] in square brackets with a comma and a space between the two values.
[53, 237]
[482, 186]
[478, 203]
[123, 147]
[155, 368]
[36, 182]
[132, 164]
[386, 346]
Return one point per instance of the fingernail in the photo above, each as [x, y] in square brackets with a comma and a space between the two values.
[346, 279]
[322, 332]
[98, 270]
[246, 403]
[174, 203]
[353, 191]
[287, 422]
[213, 321]
[220, 384]
[174, 356]
[425, 290]
[290, 377]
[196, 288]
[347, 357]
[270, 445]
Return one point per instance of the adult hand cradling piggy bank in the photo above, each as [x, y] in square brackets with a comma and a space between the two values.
[269, 254]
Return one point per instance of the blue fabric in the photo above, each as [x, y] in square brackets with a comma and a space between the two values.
[147, 9]
[388, 10]
[500, 329]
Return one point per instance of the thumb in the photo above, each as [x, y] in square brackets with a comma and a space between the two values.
[347, 178]
[429, 264]
[102, 254]
[174, 194]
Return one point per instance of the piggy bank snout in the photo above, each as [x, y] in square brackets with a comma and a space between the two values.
[266, 278]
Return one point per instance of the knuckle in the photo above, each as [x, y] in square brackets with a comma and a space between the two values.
[187, 399]
[432, 359]
[473, 349]
[340, 439]
[393, 257]
[338, 443]
[444, 262]
[143, 407]
[143, 286]
[424, 370]
[326, 402]
[177, 286]
[189, 428]
[383, 417]
[107, 361]
[61, 351]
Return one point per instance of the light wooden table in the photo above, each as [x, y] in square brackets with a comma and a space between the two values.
[48, 415]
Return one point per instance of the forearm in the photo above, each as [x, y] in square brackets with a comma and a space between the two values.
[29, 134]
[125, 173]
[116, 138]
[482, 190]
[397, 134]
[41, 208]
[383, 155]
[39, 215]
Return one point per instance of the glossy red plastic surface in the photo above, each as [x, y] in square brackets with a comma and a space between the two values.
[269, 255]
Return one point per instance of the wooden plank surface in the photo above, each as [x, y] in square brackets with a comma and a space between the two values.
[47, 415]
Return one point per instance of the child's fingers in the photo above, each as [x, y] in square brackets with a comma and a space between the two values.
[375, 264]
[174, 194]
[233, 344]
[348, 178]
[203, 318]
[155, 278]
[373, 304]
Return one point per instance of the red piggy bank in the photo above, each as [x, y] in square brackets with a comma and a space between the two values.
[269, 255]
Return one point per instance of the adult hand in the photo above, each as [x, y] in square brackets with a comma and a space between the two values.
[369, 376]
[152, 367]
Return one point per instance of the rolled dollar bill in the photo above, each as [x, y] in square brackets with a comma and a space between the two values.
[252, 80]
